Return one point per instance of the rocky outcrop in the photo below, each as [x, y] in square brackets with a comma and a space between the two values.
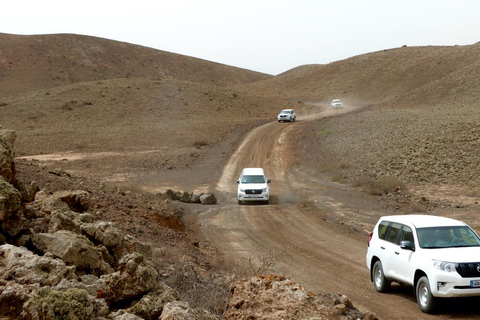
[275, 297]
[58, 262]
[7, 164]
[11, 209]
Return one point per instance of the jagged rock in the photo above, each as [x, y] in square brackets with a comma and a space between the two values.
[196, 198]
[22, 272]
[27, 190]
[183, 196]
[74, 249]
[7, 165]
[11, 209]
[64, 220]
[135, 277]
[151, 305]
[179, 310]
[123, 315]
[27, 268]
[208, 198]
[274, 297]
[92, 284]
[78, 201]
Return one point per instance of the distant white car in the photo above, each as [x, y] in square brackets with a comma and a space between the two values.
[287, 115]
[336, 103]
[253, 186]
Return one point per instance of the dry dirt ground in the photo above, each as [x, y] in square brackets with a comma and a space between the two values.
[126, 133]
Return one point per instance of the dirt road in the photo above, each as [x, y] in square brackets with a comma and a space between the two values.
[295, 234]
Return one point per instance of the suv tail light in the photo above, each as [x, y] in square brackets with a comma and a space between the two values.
[369, 238]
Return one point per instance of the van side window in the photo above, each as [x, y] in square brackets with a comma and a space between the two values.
[382, 229]
[393, 232]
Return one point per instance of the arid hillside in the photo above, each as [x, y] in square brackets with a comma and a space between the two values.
[407, 76]
[45, 61]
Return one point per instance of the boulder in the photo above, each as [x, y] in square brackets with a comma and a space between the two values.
[11, 209]
[180, 310]
[22, 272]
[151, 305]
[77, 201]
[74, 249]
[27, 268]
[135, 277]
[7, 154]
[275, 297]
[123, 315]
[183, 196]
[208, 198]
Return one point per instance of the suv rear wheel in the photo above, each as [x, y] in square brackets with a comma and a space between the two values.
[379, 281]
[425, 300]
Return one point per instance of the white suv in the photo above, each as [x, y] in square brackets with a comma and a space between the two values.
[253, 186]
[287, 115]
[437, 256]
[335, 103]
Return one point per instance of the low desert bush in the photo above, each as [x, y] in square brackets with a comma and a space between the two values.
[204, 290]
[200, 143]
[381, 186]
[324, 132]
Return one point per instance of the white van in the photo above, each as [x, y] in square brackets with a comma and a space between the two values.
[253, 186]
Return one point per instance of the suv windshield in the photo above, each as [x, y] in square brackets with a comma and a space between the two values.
[446, 237]
[253, 179]
[285, 112]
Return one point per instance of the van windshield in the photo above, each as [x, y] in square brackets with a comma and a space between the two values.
[253, 179]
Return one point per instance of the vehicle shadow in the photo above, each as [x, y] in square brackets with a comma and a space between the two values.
[456, 308]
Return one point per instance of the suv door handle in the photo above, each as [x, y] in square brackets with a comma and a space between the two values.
[383, 248]
[397, 253]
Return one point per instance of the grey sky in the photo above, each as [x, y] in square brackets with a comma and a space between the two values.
[270, 36]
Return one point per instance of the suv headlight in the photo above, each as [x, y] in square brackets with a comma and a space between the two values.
[265, 190]
[444, 266]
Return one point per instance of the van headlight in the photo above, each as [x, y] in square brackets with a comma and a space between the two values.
[444, 266]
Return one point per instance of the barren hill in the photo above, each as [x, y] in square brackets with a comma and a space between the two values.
[407, 75]
[45, 61]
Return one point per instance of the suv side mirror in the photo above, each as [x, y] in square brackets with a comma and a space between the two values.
[238, 181]
[407, 245]
[268, 181]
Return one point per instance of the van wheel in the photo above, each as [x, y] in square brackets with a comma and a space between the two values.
[379, 281]
[426, 301]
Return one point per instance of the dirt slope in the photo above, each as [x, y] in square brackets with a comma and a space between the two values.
[46, 61]
[404, 76]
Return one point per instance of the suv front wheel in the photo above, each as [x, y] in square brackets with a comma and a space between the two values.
[379, 281]
[425, 300]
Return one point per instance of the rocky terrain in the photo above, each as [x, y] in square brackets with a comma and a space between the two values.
[86, 119]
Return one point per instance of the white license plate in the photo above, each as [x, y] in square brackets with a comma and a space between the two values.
[475, 283]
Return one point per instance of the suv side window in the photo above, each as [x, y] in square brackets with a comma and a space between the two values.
[382, 229]
[407, 235]
[393, 232]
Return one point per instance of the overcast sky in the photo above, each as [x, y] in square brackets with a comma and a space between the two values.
[270, 36]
